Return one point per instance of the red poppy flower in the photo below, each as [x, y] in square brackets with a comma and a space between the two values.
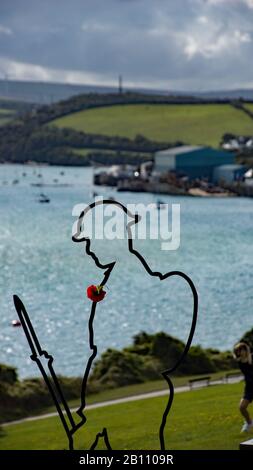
[95, 293]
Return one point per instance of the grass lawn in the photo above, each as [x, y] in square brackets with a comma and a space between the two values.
[137, 389]
[145, 387]
[193, 124]
[201, 419]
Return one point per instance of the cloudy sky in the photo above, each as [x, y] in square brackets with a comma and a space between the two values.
[168, 44]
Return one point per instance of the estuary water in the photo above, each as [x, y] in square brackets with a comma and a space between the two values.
[40, 263]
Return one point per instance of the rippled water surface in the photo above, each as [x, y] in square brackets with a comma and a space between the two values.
[40, 263]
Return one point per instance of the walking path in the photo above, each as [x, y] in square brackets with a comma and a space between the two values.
[117, 401]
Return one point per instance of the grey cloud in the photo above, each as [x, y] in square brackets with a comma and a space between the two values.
[145, 40]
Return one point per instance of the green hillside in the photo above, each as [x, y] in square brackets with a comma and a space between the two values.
[194, 124]
[200, 419]
[9, 108]
[4, 120]
[6, 111]
[249, 106]
[5, 115]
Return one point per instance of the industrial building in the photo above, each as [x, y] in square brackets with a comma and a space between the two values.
[229, 173]
[194, 162]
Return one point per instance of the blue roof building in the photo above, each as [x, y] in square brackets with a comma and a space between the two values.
[195, 162]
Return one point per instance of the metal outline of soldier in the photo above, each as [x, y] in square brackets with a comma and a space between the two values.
[53, 385]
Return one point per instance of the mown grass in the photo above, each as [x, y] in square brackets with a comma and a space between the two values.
[201, 419]
[192, 124]
[138, 389]
[132, 390]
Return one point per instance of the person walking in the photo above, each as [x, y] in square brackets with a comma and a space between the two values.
[243, 355]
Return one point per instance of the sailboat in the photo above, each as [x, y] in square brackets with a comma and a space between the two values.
[43, 198]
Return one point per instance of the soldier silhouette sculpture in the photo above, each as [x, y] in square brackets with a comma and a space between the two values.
[96, 294]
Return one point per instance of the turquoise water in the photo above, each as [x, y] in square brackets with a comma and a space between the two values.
[40, 263]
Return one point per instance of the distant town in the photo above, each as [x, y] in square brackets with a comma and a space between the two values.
[184, 170]
[158, 143]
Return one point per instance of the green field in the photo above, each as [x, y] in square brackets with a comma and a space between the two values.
[84, 152]
[201, 419]
[6, 111]
[4, 121]
[192, 124]
[249, 106]
[81, 152]
[5, 115]
[87, 151]
[137, 389]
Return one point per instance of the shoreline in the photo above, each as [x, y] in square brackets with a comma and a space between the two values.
[142, 186]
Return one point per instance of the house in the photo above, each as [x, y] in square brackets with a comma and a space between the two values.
[248, 177]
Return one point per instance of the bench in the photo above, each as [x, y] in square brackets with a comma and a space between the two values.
[247, 445]
[199, 380]
[232, 375]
